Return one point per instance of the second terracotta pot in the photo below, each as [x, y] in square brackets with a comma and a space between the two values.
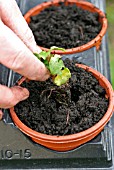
[84, 5]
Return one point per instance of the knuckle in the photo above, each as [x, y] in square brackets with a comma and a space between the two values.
[17, 61]
[11, 103]
[29, 36]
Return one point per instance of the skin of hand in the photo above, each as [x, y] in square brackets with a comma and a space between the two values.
[17, 45]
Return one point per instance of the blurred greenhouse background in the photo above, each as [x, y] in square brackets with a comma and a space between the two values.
[110, 16]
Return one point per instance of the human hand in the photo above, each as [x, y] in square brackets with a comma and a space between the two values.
[17, 45]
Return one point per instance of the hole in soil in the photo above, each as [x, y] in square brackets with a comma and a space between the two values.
[75, 95]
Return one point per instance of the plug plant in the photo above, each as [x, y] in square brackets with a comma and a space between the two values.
[59, 73]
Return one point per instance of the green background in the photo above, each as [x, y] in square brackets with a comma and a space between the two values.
[110, 16]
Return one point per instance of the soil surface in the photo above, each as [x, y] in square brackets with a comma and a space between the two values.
[64, 110]
[64, 26]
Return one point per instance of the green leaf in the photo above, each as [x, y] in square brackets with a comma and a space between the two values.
[56, 64]
[37, 55]
[43, 55]
[57, 48]
[46, 63]
[63, 77]
[60, 74]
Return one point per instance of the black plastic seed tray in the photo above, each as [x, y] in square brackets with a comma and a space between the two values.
[17, 151]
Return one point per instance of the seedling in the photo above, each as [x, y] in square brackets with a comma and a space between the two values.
[59, 73]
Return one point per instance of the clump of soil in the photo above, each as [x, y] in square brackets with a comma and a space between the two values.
[64, 26]
[64, 110]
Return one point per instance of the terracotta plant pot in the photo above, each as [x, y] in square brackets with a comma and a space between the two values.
[69, 142]
[84, 5]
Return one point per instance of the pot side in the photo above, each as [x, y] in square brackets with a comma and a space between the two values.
[84, 5]
[69, 142]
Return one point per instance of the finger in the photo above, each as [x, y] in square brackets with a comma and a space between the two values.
[1, 115]
[9, 97]
[15, 55]
[13, 18]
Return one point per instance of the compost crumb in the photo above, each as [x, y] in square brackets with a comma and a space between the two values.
[64, 26]
[63, 110]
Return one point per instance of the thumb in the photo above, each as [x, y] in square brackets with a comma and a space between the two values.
[9, 97]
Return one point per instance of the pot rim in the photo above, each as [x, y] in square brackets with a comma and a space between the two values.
[95, 42]
[80, 135]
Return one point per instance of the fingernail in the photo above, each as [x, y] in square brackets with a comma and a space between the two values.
[25, 93]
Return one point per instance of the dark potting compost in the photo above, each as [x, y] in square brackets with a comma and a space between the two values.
[66, 109]
[65, 26]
